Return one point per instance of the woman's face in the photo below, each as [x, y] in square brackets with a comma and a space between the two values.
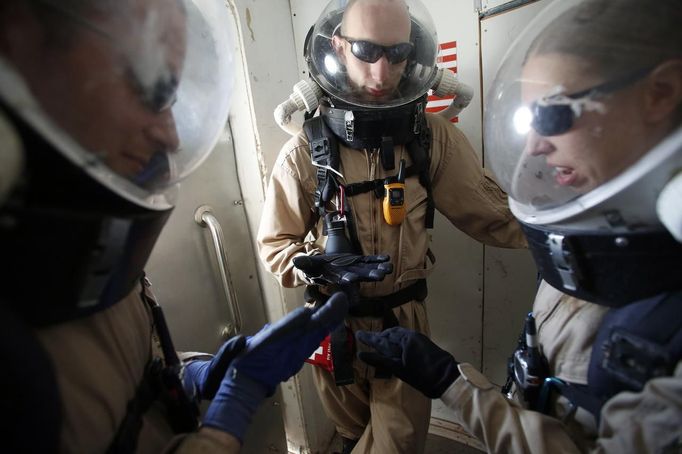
[605, 139]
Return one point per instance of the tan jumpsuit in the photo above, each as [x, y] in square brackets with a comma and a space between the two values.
[99, 361]
[385, 414]
[646, 422]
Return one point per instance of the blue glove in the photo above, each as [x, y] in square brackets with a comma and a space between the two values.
[412, 357]
[205, 376]
[271, 356]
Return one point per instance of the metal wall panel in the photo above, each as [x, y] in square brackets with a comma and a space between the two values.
[510, 276]
[183, 269]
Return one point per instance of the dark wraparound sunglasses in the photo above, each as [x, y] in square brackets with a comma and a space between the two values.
[370, 52]
[555, 115]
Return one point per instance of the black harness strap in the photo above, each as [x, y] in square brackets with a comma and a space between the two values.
[342, 356]
[382, 306]
[378, 185]
[147, 392]
[324, 151]
[181, 408]
[634, 344]
[418, 150]
[379, 307]
[161, 382]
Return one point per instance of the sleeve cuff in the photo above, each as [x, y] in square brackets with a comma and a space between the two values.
[469, 376]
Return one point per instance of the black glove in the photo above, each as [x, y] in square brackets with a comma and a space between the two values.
[412, 357]
[343, 269]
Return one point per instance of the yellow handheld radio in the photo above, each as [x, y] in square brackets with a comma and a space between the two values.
[394, 197]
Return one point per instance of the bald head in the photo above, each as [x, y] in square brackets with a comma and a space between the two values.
[388, 21]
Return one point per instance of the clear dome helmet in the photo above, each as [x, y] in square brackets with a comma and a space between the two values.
[351, 40]
[568, 138]
[410, 40]
[139, 149]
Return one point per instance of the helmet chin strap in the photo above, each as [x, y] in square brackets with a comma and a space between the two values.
[11, 157]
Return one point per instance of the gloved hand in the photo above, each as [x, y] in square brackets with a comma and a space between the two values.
[205, 376]
[412, 357]
[271, 356]
[343, 269]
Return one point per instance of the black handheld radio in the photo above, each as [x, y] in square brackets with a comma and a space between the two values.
[529, 366]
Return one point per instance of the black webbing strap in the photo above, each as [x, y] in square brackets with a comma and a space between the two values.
[181, 409]
[323, 152]
[380, 307]
[376, 185]
[147, 392]
[365, 186]
[634, 344]
[160, 382]
[342, 356]
[418, 150]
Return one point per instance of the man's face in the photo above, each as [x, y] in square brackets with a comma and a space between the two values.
[114, 84]
[381, 22]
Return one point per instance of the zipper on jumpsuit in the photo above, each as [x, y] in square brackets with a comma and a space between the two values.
[373, 213]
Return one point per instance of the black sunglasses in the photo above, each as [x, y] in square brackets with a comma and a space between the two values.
[555, 115]
[370, 52]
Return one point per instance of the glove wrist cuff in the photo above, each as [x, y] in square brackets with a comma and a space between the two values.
[235, 404]
[451, 374]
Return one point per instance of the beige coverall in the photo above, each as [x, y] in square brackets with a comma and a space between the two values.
[386, 415]
[99, 361]
[646, 422]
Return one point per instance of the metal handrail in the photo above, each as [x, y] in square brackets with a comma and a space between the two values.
[205, 218]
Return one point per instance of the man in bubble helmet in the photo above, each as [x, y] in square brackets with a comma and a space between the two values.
[104, 106]
[372, 167]
[584, 129]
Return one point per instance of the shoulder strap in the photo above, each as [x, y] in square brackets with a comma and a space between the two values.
[161, 382]
[324, 152]
[419, 150]
[634, 344]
